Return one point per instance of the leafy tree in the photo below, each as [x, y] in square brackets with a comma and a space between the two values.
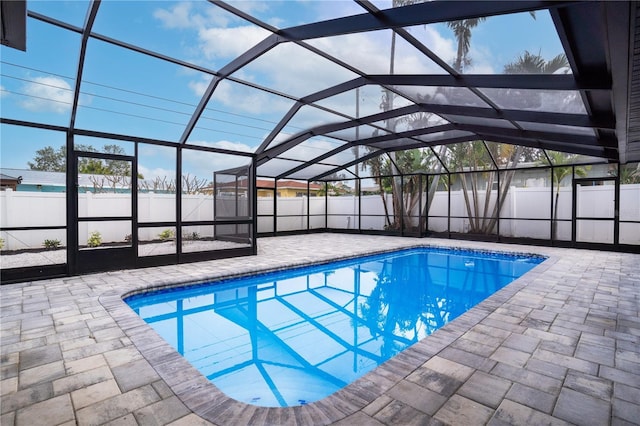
[116, 167]
[385, 170]
[111, 174]
[49, 159]
[92, 166]
[334, 189]
[98, 166]
[629, 174]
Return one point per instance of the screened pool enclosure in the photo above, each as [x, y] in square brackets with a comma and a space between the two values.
[146, 133]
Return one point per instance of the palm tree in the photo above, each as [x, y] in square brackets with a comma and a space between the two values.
[391, 124]
[388, 165]
[379, 169]
[462, 32]
[406, 196]
[558, 174]
[528, 63]
[472, 155]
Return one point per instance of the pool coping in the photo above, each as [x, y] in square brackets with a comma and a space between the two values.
[204, 399]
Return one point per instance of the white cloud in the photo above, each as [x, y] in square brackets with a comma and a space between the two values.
[234, 146]
[482, 60]
[2, 92]
[291, 68]
[221, 40]
[229, 42]
[199, 86]
[157, 172]
[444, 47]
[337, 9]
[249, 6]
[179, 16]
[187, 15]
[193, 20]
[368, 52]
[203, 164]
[480, 67]
[312, 148]
[242, 99]
[50, 94]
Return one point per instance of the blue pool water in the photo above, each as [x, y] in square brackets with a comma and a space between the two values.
[293, 337]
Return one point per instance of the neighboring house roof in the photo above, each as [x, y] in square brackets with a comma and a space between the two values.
[39, 177]
[290, 184]
[7, 177]
[270, 184]
[9, 182]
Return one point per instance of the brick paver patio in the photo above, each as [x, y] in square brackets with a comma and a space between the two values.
[560, 345]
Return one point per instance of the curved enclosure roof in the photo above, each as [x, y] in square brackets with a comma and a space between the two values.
[311, 89]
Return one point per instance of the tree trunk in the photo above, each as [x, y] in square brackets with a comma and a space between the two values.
[476, 201]
[434, 184]
[391, 124]
[554, 223]
[504, 188]
[458, 64]
[413, 196]
[487, 201]
[396, 192]
[467, 202]
[383, 195]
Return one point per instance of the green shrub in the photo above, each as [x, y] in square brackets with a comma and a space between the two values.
[95, 239]
[51, 244]
[191, 236]
[1, 243]
[167, 234]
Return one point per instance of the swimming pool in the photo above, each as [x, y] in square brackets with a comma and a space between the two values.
[292, 337]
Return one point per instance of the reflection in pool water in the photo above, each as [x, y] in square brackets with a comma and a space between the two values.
[292, 337]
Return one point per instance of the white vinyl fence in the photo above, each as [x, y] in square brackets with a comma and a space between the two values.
[23, 209]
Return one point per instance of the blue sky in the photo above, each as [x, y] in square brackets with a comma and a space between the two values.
[125, 92]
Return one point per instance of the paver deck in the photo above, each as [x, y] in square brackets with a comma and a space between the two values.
[560, 345]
